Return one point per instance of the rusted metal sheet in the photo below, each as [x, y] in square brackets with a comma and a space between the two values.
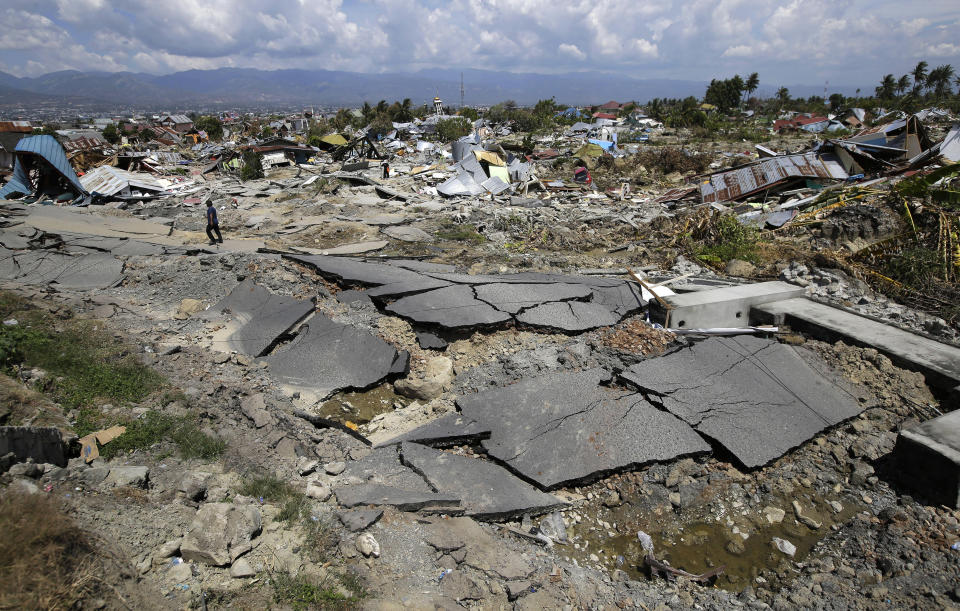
[746, 180]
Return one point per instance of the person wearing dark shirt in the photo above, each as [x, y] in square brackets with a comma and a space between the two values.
[213, 224]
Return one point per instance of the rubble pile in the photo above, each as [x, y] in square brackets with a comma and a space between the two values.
[506, 369]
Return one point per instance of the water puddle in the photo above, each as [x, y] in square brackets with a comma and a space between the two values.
[360, 407]
[701, 545]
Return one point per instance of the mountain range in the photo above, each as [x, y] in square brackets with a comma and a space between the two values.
[245, 87]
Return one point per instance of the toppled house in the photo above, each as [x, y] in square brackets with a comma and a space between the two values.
[280, 151]
[42, 168]
[773, 173]
[480, 171]
[114, 182]
[178, 123]
[883, 146]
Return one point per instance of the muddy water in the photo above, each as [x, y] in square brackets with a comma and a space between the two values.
[744, 547]
[361, 406]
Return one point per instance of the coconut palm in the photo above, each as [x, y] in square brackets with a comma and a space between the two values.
[939, 80]
[919, 76]
[753, 81]
[903, 84]
[886, 88]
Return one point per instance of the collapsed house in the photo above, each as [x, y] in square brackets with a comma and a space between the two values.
[41, 168]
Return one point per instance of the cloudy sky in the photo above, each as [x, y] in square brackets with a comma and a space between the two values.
[786, 41]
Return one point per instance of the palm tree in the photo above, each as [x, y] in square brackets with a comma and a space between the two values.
[886, 88]
[919, 76]
[753, 81]
[903, 84]
[783, 94]
[939, 80]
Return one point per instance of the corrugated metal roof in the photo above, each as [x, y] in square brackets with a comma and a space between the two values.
[109, 180]
[746, 180]
[22, 127]
[49, 149]
[178, 119]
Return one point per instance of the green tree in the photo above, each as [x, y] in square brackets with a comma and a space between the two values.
[252, 165]
[836, 101]
[940, 79]
[724, 94]
[903, 83]
[147, 134]
[469, 113]
[380, 126]
[753, 81]
[449, 130]
[887, 87]
[110, 134]
[783, 96]
[919, 74]
[342, 120]
[211, 125]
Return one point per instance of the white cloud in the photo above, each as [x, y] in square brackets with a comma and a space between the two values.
[571, 51]
[794, 41]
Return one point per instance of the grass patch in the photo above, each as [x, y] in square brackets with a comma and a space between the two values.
[730, 239]
[85, 364]
[916, 267]
[153, 428]
[46, 561]
[21, 405]
[461, 233]
[293, 504]
[302, 593]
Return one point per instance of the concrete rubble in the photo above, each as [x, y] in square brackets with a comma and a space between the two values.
[474, 379]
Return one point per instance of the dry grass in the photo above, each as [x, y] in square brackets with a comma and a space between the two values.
[20, 405]
[637, 337]
[46, 561]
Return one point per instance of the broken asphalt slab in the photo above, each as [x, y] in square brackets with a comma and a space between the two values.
[328, 356]
[565, 427]
[486, 490]
[260, 317]
[451, 307]
[355, 272]
[569, 316]
[755, 397]
[512, 298]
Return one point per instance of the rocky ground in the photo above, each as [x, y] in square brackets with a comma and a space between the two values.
[828, 525]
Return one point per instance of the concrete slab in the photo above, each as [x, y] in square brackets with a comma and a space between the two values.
[513, 298]
[487, 491]
[259, 317]
[755, 397]
[927, 457]
[938, 362]
[451, 307]
[42, 267]
[564, 427]
[327, 356]
[724, 307]
[356, 248]
[352, 271]
[569, 316]
[380, 495]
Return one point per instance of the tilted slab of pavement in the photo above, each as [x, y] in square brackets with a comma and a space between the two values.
[432, 295]
[327, 356]
[755, 397]
[486, 490]
[259, 317]
[566, 427]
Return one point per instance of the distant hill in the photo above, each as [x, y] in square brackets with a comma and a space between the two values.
[248, 86]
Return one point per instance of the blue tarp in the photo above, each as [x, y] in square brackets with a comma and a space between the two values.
[604, 144]
[50, 150]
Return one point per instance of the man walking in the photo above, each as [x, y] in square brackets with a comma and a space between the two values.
[213, 224]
